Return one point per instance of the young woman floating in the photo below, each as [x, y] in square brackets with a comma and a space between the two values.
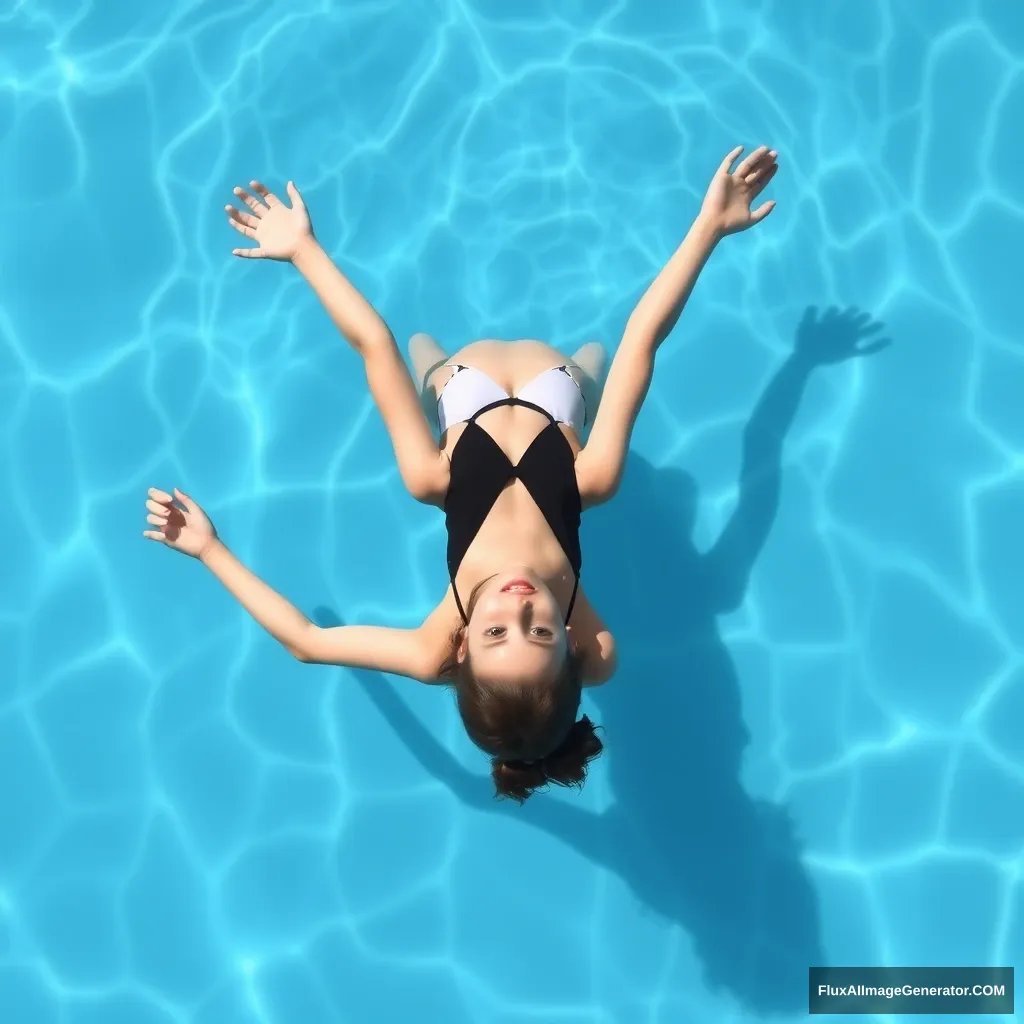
[514, 634]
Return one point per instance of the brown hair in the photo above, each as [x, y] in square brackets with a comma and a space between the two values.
[530, 730]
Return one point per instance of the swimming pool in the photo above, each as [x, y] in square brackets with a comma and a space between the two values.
[814, 743]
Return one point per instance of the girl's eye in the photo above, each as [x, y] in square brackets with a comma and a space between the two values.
[495, 631]
[541, 631]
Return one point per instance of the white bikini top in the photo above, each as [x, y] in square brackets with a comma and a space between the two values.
[469, 390]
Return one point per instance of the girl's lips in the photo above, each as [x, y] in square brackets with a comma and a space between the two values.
[519, 587]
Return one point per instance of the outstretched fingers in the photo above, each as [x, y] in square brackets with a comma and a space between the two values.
[190, 505]
[244, 223]
[730, 158]
[758, 181]
[251, 201]
[762, 211]
[169, 513]
[265, 194]
[159, 505]
[751, 162]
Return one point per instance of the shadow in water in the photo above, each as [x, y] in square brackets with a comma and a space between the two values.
[690, 843]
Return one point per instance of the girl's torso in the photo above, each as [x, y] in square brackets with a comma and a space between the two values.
[515, 531]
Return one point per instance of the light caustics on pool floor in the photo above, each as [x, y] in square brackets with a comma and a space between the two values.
[813, 568]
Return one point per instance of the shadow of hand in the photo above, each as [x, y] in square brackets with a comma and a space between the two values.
[837, 335]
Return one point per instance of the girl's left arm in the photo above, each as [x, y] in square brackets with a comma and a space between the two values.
[599, 465]
[726, 209]
[423, 467]
[286, 233]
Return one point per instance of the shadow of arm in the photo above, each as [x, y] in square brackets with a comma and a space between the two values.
[436, 760]
[825, 339]
[578, 829]
[730, 562]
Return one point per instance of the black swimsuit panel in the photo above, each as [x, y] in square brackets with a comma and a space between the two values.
[480, 471]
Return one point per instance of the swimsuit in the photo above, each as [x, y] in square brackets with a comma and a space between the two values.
[480, 470]
[468, 390]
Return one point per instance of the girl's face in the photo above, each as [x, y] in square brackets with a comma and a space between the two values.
[515, 632]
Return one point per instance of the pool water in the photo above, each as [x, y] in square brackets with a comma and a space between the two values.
[814, 743]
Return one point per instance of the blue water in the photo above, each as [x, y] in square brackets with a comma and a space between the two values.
[814, 748]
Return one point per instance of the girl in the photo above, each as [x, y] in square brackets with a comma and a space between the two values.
[514, 634]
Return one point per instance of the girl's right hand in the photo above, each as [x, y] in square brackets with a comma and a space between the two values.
[279, 231]
[184, 527]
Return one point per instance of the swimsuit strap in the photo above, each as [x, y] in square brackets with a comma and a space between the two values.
[458, 603]
[511, 400]
[572, 600]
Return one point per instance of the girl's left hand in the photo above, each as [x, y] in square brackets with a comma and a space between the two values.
[728, 199]
[279, 231]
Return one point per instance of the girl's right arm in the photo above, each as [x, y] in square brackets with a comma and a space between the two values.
[416, 653]
[594, 640]
[402, 652]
